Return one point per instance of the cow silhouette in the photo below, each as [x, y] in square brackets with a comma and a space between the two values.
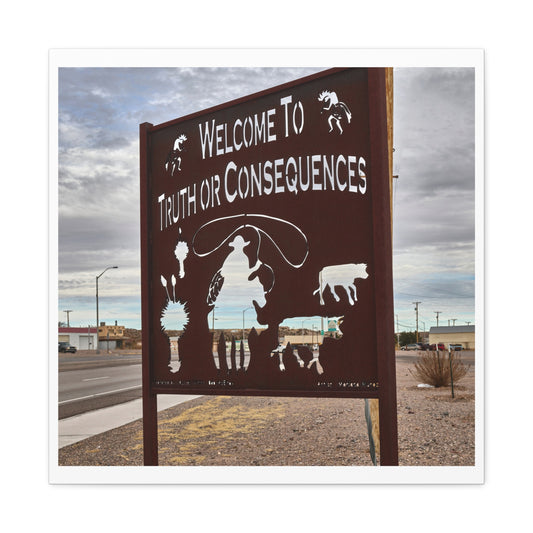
[343, 276]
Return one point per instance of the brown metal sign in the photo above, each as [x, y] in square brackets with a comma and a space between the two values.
[276, 205]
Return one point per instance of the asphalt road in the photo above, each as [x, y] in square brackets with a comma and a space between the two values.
[88, 359]
[467, 356]
[80, 384]
[88, 382]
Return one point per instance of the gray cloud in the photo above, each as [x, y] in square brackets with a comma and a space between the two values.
[100, 110]
[434, 129]
[434, 157]
[434, 202]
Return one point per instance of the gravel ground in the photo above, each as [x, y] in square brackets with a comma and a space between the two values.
[433, 430]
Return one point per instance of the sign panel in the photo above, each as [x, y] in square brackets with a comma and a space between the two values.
[266, 208]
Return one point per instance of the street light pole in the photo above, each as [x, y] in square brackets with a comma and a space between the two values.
[244, 311]
[416, 309]
[303, 321]
[213, 328]
[97, 316]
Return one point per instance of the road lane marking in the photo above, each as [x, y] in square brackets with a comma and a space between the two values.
[99, 394]
[94, 379]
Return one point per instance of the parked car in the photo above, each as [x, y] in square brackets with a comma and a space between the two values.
[415, 346]
[66, 347]
[440, 346]
[456, 347]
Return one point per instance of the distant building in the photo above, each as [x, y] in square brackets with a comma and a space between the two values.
[82, 338]
[423, 337]
[314, 338]
[111, 337]
[463, 335]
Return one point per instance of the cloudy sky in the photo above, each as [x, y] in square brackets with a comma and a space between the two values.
[99, 112]
[434, 195]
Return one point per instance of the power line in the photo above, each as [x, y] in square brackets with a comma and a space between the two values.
[444, 295]
[410, 326]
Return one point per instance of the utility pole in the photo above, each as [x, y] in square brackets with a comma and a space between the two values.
[68, 311]
[397, 331]
[438, 313]
[416, 309]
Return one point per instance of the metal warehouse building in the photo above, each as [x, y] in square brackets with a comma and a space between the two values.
[464, 335]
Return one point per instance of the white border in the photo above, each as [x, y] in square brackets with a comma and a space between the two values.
[53, 265]
[268, 475]
[274, 58]
[261, 57]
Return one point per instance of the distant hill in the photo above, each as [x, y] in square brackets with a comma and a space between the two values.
[134, 336]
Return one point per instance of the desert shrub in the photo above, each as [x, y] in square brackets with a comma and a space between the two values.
[433, 368]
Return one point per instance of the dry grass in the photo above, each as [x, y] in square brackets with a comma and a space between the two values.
[433, 368]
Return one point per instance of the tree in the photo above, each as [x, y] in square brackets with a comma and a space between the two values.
[407, 337]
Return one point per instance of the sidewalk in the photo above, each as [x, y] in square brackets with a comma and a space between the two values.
[80, 427]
